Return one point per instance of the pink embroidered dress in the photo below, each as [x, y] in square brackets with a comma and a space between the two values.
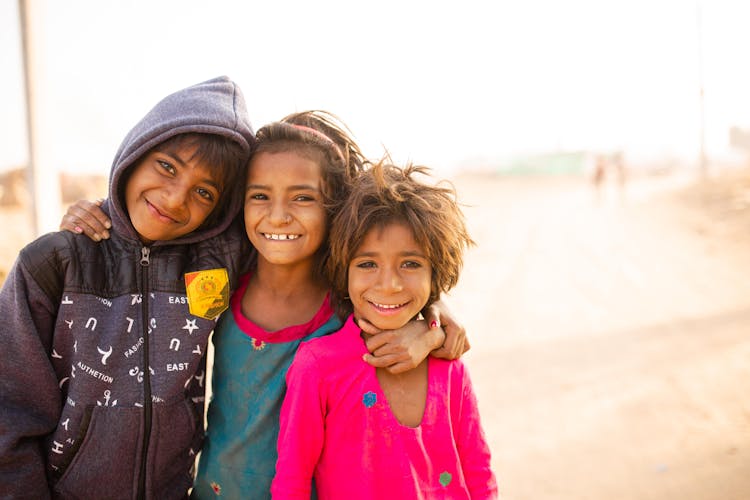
[337, 427]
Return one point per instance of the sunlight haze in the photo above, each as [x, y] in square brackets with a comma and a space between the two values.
[446, 85]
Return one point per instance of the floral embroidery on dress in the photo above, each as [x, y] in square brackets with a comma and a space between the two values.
[258, 345]
[217, 489]
[369, 399]
[445, 478]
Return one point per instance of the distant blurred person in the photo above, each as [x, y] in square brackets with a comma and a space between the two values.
[598, 176]
[618, 164]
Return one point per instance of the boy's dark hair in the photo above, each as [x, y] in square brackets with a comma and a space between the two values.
[384, 194]
[323, 138]
[224, 159]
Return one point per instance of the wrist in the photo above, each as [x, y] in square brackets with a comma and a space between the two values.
[438, 338]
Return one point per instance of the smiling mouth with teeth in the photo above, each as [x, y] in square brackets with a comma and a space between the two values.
[274, 236]
[388, 306]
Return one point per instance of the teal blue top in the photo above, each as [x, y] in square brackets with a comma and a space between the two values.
[238, 459]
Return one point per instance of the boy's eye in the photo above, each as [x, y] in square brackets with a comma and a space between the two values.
[366, 264]
[257, 196]
[167, 166]
[304, 197]
[412, 264]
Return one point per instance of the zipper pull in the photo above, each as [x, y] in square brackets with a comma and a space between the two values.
[145, 252]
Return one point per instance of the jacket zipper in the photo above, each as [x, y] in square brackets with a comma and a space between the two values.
[145, 261]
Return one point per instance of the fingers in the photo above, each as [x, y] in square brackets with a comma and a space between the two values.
[86, 217]
[393, 363]
[385, 353]
[68, 223]
[94, 216]
[432, 315]
[456, 343]
[443, 353]
[462, 341]
[395, 358]
[79, 225]
[402, 349]
[452, 345]
[379, 343]
[367, 327]
[455, 349]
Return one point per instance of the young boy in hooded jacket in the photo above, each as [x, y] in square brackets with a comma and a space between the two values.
[103, 365]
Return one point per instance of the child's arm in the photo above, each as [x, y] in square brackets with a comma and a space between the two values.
[86, 217]
[456, 343]
[301, 429]
[31, 399]
[403, 349]
[473, 450]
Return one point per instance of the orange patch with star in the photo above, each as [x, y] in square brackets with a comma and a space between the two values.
[207, 292]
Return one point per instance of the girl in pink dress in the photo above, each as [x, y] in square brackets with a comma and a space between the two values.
[360, 431]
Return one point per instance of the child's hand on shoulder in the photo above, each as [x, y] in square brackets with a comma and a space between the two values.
[455, 342]
[439, 334]
[87, 217]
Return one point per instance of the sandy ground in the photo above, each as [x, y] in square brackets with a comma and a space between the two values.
[611, 340]
[611, 337]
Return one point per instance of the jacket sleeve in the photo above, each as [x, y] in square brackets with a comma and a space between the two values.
[473, 449]
[31, 399]
[301, 428]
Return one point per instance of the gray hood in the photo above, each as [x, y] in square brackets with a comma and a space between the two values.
[215, 106]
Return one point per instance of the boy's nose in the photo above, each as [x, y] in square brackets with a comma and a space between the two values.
[175, 198]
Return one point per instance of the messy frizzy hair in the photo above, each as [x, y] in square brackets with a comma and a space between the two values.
[384, 194]
[334, 129]
[322, 137]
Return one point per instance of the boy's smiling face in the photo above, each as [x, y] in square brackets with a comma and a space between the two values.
[389, 277]
[170, 194]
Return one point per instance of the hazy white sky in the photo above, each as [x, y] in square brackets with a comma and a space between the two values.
[441, 83]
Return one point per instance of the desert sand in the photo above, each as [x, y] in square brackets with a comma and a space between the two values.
[610, 336]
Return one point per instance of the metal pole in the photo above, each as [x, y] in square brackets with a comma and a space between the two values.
[43, 180]
[23, 15]
[702, 160]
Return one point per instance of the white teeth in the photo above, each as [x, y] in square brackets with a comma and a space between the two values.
[387, 306]
[274, 236]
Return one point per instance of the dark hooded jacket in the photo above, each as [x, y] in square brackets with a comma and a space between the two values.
[102, 370]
